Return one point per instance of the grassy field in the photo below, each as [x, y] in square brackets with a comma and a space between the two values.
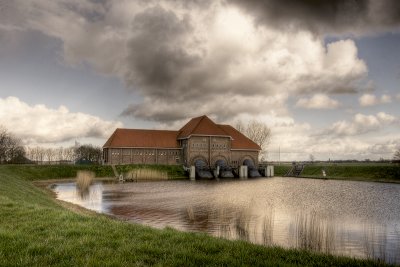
[373, 172]
[359, 172]
[40, 172]
[35, 230]
[280, 170]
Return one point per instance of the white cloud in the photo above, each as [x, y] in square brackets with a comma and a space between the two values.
[386, 99]
[293, 141]
[318, 101]
[175, 52]
[371, 100]
[361, 124]
[40, 124]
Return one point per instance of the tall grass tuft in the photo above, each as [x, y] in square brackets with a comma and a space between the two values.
[146, 174]
[314, 233]
[83, 181]
[268, 228]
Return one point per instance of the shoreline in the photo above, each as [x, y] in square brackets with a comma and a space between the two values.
[354, 179]
[38, 229]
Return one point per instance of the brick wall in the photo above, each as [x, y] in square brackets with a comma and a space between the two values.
[144, 156]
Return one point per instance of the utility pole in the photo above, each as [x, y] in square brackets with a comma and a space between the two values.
[279, 155]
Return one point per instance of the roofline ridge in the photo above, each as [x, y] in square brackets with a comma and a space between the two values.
[197, 125]
[111, 138]
[222, 129]
[156, 130]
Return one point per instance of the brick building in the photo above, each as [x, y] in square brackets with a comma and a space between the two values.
[200, 141]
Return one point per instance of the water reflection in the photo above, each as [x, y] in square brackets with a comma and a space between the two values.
[312, 232]
[338, 217]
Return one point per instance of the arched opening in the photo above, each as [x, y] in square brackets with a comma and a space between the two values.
[251, 169]
[248, 163]
[202, 169]
[225, 171]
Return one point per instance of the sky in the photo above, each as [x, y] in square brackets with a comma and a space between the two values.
[323, 75]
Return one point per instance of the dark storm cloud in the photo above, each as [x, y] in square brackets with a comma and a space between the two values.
[196, 56]
[157, 50]
[326, 17]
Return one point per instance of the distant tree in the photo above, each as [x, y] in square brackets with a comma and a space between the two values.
[88, 154]
[11, 149]
[50, 154]
[257, 131]
[60, 153]
[69, 154]
[396, 157]
[312, 158]
[40, 154]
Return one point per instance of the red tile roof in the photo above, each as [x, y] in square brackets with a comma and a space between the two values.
[240, 141]
[143, 138]
[201, 126]
[169, 139]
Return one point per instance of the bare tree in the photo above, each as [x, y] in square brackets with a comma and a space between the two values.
[50, 154]
[256, 131]
[240, 127]
[60, 153]
[69, 153]
[11, 149]
[40, 154]
[3, 143]
[312, 158]
[396, 156]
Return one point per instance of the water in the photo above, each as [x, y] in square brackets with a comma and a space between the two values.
[357, 219]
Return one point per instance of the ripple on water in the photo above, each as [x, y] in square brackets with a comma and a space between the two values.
[341, 217]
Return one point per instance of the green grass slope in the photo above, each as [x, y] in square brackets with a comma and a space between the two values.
[36, 231]
[41, 172]
[364, 172]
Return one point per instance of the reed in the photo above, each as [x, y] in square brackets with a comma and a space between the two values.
[146, 174]
[314, 233]
[267, 228]
[83, 180]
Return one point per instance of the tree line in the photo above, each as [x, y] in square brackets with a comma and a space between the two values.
[12, 151]
[75, 154]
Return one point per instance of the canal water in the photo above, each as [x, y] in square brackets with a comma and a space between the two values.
[357, 219]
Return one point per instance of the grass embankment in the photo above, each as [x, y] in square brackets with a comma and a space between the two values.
[371, 172]
[281, 170]
[36, 231]
[357, 172]
[40, 172]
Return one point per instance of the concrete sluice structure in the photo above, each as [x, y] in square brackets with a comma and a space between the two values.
[202, 170]
[251, 169]
[222, 170]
